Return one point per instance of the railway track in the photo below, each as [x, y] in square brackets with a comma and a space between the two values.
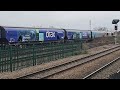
[89, 76]
[115, 75]
[46, 73]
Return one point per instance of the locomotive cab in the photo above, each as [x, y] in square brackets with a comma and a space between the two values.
[3, 36]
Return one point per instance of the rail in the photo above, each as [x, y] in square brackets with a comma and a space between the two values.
[48, 72]
[100, 69]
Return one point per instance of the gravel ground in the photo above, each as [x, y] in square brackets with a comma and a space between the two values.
[22, 72]
[83, 70]
[115, 76]
[105, 74]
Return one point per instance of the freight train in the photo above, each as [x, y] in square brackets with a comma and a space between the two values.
[27, 34]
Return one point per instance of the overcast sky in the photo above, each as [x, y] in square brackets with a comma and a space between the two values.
[59, 19]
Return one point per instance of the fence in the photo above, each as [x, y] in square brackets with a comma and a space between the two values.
[21, 56]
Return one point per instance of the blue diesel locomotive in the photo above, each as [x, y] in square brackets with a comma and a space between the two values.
[24, 34]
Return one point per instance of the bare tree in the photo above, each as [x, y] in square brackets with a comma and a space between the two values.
[100, 29]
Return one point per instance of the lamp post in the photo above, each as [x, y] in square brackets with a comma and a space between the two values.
[115, 21]
[90, 24]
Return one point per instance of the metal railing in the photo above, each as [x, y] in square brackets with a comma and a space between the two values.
[21, 56]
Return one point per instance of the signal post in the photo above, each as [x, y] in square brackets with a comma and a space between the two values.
[115, 21]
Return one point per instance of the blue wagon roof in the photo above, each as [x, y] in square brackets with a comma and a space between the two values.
[30, 27]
